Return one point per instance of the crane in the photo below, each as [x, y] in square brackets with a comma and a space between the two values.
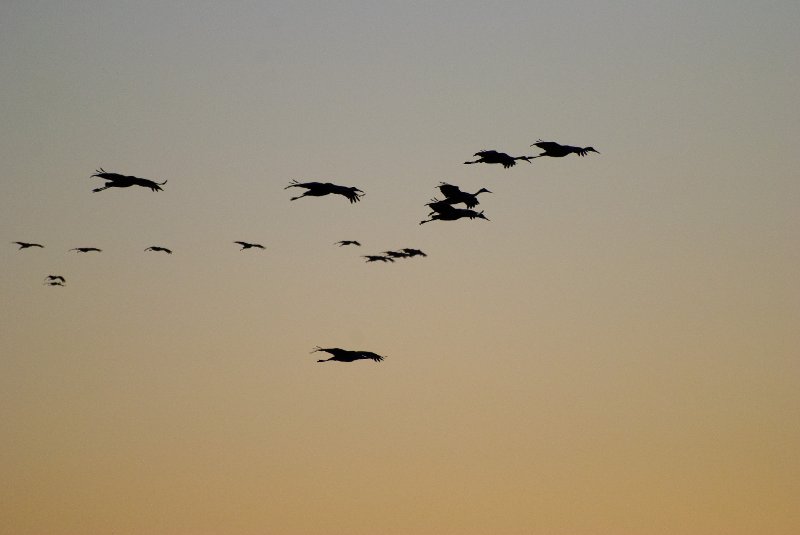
[86, 249]
[246, 245]
[413, 252]
[319, 189]
[159, 249]
[346, 355]
[115, 180]
[454, 195]
[25, 245]
[447, 213]
[492, 156]
[377, 258]
[348, 242]
[395, 254]
[556, 150]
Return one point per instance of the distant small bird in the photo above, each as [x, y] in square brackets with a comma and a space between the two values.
[25, 245]
[319, 189]
[55, 278]
[86, 249]
[395, 254]
[115, 180]
[413, 252]
[347, 242]
[454, 195]
[492, 156]
[345, 355]
[53, 283]
[377, 258]
[157, 248]
[551, 148]
[246, 245]
[451, 214]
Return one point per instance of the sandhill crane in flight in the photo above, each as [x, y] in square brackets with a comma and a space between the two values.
[377, 258]
[439, 206]
[492, 156]
[246, 245]
[25, 245]
[454, 195]
[86, 249]
[345, 355]
[413, 252]
[551, 148]
[55, 278]
[395, 254]
[115, 180]
[448, 213]
[348, 242]
[157, 249]
[319, 189]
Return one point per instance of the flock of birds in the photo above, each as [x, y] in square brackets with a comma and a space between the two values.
[440, 210]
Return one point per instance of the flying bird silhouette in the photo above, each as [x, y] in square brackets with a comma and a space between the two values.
[447, 213]
[157, 249]
[454, 195]
[115, 180]
[377, 258]
[55, 278]
[319, 189]
[551, 148]
[395, 254]
[53, 283]
[86, 249]
[413, 252]
[345, 355]
[246, 245]
[25, 245]
[492, 156]
[347, 242]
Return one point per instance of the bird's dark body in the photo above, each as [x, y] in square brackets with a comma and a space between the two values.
[156, 248]
[378, 258]
[492, 156]
[115, 180]
[247, 245]
[446, 212]
[26, 245]
[454, 195]
[320, 189]
[346, 355]
[556, 150]
[413, 252]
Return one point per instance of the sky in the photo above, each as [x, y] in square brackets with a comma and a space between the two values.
[614, 353]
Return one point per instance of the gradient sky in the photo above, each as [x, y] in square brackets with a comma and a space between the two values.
[615, 352]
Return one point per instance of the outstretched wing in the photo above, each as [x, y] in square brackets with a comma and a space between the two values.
[113, 177]
[370, 355]
[547, 145]
[307, 185]
[146, 183]
[352, 194]
[449, 190]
